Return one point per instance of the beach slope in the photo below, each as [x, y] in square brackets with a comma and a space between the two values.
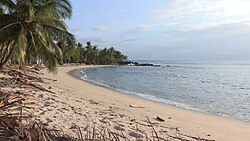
[81, 103]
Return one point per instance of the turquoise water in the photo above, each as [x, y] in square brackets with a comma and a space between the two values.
[221, 88]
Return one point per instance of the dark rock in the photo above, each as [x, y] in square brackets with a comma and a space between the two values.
[131, 63]
[160, 119]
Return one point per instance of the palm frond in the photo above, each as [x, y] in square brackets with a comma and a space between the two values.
[53, 22]
[33, 44]
[7, 19]
[44, 9]
[64, 7]
[59, 34]
[34, 27]
[9, 32]
[60, 9]
[22, 45]
[57, 51]
[46, 53]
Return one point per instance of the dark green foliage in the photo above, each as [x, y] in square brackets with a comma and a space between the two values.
[1, 10]
[92, 55]
[29, 30]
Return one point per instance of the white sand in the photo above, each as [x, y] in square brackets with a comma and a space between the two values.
[79, 102]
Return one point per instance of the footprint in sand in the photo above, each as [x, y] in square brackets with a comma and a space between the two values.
[78, 101]
[46, 104]
[65, 109]
[93, 102]
[60, 110]
[40, 96]
[49, 109]
[42, 113]
[119, 128]
[135, 134]
[49, 120]
[78, 113]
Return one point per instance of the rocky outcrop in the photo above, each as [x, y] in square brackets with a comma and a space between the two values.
[131, 63]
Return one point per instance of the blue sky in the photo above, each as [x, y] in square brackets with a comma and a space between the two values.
[166, 29]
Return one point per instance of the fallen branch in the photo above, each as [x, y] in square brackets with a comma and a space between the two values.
[39, 86]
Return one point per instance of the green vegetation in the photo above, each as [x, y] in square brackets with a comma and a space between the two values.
[30, 29]
[35, 31]
[90, 54]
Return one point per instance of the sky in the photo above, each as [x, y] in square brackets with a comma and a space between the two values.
[165, 29]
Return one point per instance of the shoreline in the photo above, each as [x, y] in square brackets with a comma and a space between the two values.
[73, 74]
[190, 122]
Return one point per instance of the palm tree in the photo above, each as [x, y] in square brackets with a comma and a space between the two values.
[95, 54]
[34, 26]
[120, 57]
[89, 53]
[103, 58]
[111, 52]
[82, 52]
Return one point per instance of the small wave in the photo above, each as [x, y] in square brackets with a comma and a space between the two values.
[83, 74]
[183, 67]
[145, 96]
[95, 82]
[165, 101]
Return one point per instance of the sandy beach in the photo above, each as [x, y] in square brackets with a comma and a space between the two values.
[76, 102]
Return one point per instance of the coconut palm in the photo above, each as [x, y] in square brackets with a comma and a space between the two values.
[88, 53]
[34, 26]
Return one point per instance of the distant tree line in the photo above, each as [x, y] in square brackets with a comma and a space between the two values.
[90, 54]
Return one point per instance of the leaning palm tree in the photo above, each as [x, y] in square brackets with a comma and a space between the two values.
[34, 26]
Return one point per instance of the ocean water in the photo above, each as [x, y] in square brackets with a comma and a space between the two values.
[220, 88]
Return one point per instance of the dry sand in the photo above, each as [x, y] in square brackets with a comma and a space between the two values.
[76, 102]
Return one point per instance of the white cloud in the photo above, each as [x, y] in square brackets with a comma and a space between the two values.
[101, 28]
[218, 8]
[127, 40]
[229, 8]
[170, 24]
[192, 15]
[144, 27]
[139, 28]
[201, 26]
[180, 7]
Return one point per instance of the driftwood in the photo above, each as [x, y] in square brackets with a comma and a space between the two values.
[20, 75]
[136, 106]
[39, 86]
[49, 79]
